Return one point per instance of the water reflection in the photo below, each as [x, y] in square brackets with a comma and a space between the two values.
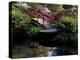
[52, 51]
[58, 51]
[42, 51]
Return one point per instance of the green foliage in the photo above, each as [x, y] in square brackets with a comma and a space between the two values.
[54, 7]
[19, 18]
[67, 6]
[70, 23]
[31, 28]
